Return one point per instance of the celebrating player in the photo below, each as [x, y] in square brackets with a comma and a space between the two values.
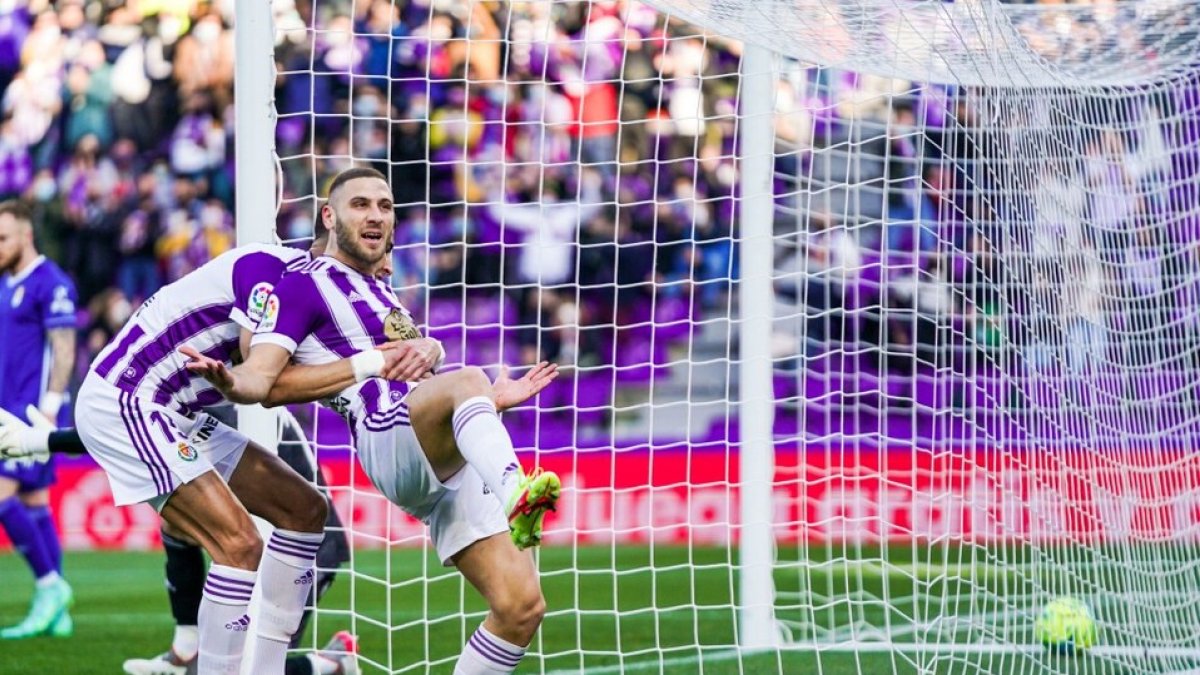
[437, 449]
[37, 329]
[204, 477]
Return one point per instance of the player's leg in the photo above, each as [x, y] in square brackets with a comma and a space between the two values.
[37, 503]
[507, 579]
[185, 573]
[455, 420]
[52, 594]
[298, 512]
[206, 511]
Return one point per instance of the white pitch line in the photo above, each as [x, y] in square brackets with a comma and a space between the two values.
[728, 655]
[878, 647]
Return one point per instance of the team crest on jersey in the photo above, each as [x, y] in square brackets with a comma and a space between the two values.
[270, 315]
[398, 326]
[258, 301]
[187, 453]
[18, 296]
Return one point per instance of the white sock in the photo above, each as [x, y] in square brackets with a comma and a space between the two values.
[224, 621]
[322, 665]
[486, 445]
[186, 642]
[486, 654]
[287, 577]
[48, 580]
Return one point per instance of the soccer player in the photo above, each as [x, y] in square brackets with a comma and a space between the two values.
[436, 449]
[185, 568]
[204, 477]
[37, 331]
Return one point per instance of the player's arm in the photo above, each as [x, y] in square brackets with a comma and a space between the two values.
[58, 320]
[248, 382]
[62, 362]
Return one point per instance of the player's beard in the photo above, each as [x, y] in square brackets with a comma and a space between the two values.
[353, 248]
[9, 265]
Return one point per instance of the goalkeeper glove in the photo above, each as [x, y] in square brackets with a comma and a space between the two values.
[30, 442]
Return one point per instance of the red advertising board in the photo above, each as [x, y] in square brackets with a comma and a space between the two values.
[838, 493]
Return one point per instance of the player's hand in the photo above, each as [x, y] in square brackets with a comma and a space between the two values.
[510, 393]
[210, 369]
[409, 360]
[25, 442]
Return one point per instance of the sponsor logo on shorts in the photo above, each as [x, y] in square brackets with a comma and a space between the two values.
[241, 625]
[187, 453]
[205, 432]
[305, 579]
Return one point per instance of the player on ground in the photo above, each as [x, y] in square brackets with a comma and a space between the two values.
[438, 450]
[37, 331]
[204, 477]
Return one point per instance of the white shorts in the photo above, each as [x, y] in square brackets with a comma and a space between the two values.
[459, 511]
[147, 450]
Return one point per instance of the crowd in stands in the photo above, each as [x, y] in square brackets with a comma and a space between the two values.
[580, 156]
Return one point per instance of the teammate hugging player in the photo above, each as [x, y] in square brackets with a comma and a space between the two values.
[437, 449]
[138, 413]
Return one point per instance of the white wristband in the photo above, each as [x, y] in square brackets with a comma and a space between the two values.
[50, 404]
[367, 364]
[441, 359]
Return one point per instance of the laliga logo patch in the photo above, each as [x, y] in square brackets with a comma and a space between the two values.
[270, 315]
[18, 296]
[187, 453]
[258, 300]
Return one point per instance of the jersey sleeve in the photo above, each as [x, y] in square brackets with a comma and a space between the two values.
[58, 303]
[290, 313]
[254, 279]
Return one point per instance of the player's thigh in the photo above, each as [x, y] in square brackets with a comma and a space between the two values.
[35, 498]
[431, 409]
[206, 511]
[8, 487]
[273, 491]
[506, 577]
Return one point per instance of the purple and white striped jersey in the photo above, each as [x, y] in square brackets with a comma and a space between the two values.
[205, 309]
[328, 311]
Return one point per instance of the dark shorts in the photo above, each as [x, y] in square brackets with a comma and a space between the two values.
[29, 477]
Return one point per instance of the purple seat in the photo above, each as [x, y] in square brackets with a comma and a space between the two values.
[444, 312]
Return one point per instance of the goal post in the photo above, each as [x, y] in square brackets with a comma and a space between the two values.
[756, 396]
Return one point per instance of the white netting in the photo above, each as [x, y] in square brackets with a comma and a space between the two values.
[986, 280]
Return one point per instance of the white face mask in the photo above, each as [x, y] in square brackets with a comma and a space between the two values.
[207, 32]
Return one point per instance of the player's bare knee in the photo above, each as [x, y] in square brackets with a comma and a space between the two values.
[241, 549]
[473, 382]
[311, 513]
[521, 612]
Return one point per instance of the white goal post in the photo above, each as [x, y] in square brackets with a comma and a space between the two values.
[877, 318]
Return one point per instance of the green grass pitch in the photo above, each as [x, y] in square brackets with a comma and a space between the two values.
[647, 617]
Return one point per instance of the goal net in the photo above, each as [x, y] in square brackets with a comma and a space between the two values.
[983, 270]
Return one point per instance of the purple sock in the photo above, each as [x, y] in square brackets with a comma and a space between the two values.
[40, 515]
[25, 536]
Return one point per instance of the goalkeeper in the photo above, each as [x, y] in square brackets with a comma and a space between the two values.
[185, 568]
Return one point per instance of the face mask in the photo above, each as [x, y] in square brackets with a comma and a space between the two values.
[118, 312]
[44, 189]
[366, 106]
[207, 32]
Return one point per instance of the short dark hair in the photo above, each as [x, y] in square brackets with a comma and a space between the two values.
[17, 209]
[351, 174]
